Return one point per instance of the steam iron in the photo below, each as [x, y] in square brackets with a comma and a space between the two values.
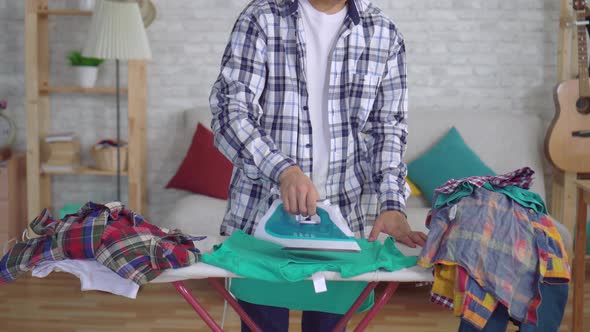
[325, 231]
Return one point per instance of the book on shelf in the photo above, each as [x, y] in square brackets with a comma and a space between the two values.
[63, 162]
[57, 168]
[71, 151]
[60, 137]
[62, 150]
[65, 146]
[63, 158]
[64, 155]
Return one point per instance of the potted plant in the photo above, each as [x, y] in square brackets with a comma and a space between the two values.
[87, 68]
[86, 5]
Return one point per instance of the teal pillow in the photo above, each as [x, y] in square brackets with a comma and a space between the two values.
[449, 158]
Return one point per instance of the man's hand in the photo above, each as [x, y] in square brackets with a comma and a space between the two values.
[395, 224]
[298, 192]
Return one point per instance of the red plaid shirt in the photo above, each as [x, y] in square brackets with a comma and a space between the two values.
[115, 236]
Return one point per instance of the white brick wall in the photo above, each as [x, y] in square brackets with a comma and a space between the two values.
[486, 56]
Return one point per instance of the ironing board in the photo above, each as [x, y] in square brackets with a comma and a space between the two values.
[213, 274]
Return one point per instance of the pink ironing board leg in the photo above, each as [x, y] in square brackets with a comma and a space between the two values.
[206, 317]
[234, 304]
[389, 290]
[181, 288]
[355, 306]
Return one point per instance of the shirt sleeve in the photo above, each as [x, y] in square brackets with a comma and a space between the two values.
[234, 102]
[387, 126]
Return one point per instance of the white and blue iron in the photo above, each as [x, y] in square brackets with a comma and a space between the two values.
[325, 231]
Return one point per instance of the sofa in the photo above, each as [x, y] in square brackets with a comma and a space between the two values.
[503, 141]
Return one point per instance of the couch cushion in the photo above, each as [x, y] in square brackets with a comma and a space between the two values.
[449, 158]
[204, 169]
[197, 215]
[191, 118]
[415, 191]
[503, 141]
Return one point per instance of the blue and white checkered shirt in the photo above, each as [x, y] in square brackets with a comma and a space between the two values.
[261, 120]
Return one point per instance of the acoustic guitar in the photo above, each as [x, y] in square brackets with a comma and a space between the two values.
[567, 144]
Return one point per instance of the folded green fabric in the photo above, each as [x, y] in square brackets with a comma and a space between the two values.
[250, 257]
[276, 276]
[301, 295]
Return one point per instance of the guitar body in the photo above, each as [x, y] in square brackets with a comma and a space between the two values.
[570, 153]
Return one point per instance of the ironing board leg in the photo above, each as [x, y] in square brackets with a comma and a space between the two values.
[355, 306]
[234, 304]
[389, 290]
[181, 288]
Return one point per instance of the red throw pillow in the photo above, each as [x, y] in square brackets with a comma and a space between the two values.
[204, 169]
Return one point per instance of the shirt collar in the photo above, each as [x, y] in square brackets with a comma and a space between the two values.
[355, 8]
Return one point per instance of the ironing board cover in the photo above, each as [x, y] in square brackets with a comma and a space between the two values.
[256, 259]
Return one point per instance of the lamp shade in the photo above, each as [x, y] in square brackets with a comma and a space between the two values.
[117, 32]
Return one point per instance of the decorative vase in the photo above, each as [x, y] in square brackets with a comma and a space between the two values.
[86, 5]
[87, 76]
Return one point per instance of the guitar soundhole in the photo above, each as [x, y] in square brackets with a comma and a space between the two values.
[583, 105]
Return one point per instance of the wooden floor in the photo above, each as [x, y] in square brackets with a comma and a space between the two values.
[57, 304]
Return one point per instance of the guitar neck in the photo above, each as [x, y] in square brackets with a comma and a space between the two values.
[583, 56]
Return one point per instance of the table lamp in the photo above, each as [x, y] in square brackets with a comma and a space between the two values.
[117, 33]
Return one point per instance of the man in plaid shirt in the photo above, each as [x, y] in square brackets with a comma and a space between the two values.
[312, 100]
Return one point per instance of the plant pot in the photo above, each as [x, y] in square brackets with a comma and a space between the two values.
[86, 5]
[87, 76]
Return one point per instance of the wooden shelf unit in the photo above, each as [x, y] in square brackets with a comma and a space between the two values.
[84, 170]
[46, 12]
[38, 103]
[12, 197]
[78, 89]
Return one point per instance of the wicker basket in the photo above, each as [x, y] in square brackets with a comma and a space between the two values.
[106, 158]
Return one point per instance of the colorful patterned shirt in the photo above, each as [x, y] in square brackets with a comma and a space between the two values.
[505, 248]
[261, 117]
[522, 178]
[115, 236]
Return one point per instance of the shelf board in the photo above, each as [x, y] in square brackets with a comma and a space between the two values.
[65, 12]
[85, 170]
[78, 89]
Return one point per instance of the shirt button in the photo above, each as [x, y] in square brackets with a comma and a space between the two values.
[305, 108]
[532, 211]
[308, 145]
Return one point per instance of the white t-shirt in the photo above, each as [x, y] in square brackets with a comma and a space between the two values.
[321, 34]
[92, 274]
